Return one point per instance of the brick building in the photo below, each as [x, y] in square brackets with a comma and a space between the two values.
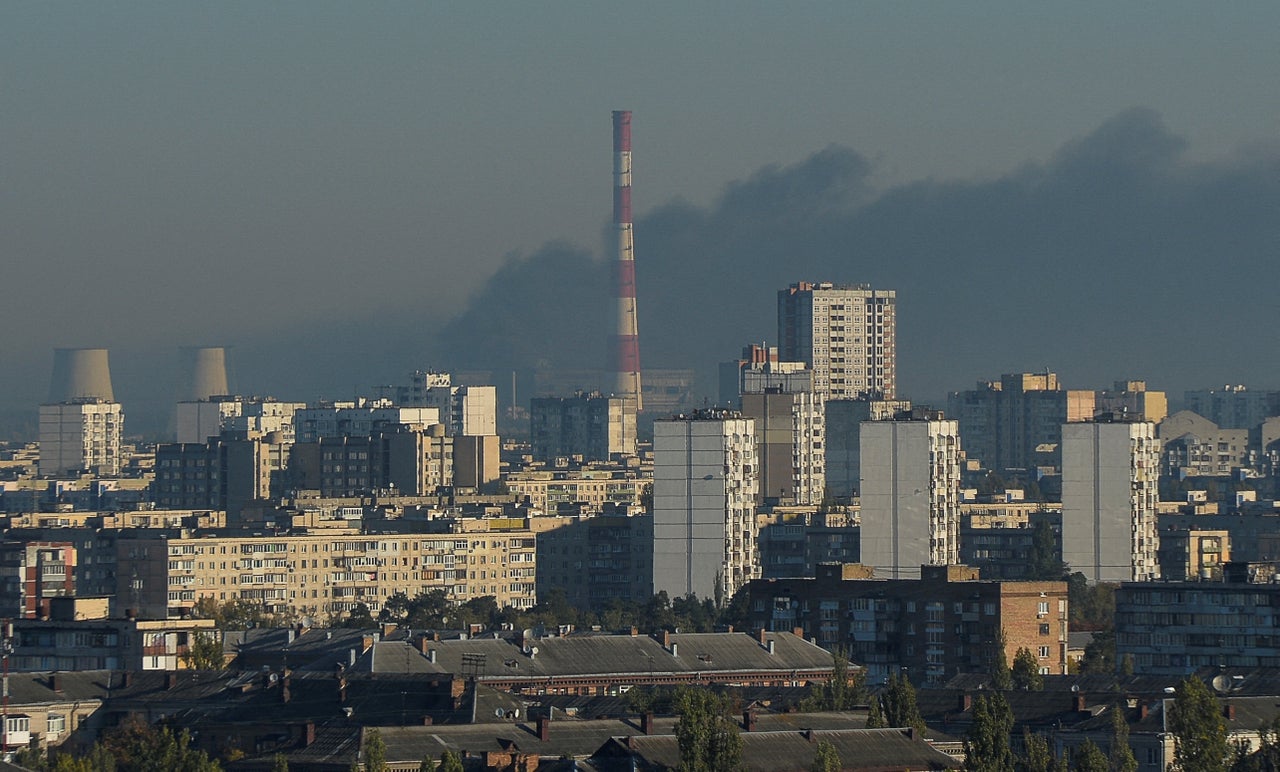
[944, 623]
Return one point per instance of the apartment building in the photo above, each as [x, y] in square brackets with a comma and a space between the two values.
[595, 560]
[842, 443]
[590, 425]
[81, 436]
[546, 490]
[845, 334]
[946, 622]
[1174, 628]
[1110, 492]
[910, 493]
[199, 420]
[790, 435]
[705, 484]
[325, 575]
[794, 541]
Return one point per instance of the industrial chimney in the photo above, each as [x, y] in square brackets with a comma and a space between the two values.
[626, 348]
[80, 374]
[204, 373]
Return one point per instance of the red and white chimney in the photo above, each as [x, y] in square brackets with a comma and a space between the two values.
[626, 348]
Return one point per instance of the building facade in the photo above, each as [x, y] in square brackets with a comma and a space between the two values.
[1110, 492]
[325, 575]
[847, 335]
[83, 435]
[592, 426]
[1016, 422]
[910, 493]
[934, 627]
[790, 432]
[705, 484]
[842, 443]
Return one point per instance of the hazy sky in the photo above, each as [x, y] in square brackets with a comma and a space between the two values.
[178, 173]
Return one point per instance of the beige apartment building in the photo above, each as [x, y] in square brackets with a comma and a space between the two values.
[327, 574]
[545, 490]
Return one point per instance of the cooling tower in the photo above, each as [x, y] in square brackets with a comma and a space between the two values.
[80, 373]
[204, 373]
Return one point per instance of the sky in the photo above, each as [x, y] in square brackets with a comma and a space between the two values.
[345, 192]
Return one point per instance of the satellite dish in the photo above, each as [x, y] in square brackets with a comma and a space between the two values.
[1075, 687]
[1221, 683]
[534, 650]
[515, 713]
[499, 713]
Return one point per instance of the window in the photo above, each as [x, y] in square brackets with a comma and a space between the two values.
[1042, 608]
[57, 724]
[1044, 652]
[1044, 629]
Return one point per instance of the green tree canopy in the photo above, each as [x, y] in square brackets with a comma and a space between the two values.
[826, 758]
[709, 741]
[1087, 757]
[1198, 728]
[898, 703]
[1119, 753]
[1026, 671]
[987, 749]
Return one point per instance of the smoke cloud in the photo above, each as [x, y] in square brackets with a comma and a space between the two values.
[1119, 257]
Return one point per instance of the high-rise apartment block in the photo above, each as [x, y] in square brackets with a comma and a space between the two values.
[845, 334]
[910, 493]
[1110, 492]
[789, 429]
[705, 483]
[81, 436]
[593, 426]
[1016, 422]
[842, 444]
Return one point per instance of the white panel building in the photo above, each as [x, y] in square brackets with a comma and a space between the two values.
[82, 435]
[1110, 490]
[910, 486]
[704, 497]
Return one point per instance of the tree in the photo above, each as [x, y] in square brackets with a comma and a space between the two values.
[1026, 671]
[1087, 757]
[899, 704]
[205, 652]
[1198, 728]
[987, 749]
[375, 752]
[428, 764]
[708, 740]
[450, 762]
[875, 716]
[1100, 654]
[280, 763]
[1037, 755]
[1044, 559]
[826, 758]
[1000, 675]
[843, 692]
[1266, 758]
[1119, 754]
[139, 747]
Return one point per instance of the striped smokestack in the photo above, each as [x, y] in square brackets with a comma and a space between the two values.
[204, 373]
[626, 348]
[80, 373]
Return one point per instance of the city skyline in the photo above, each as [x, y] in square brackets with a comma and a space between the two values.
[323, 191]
